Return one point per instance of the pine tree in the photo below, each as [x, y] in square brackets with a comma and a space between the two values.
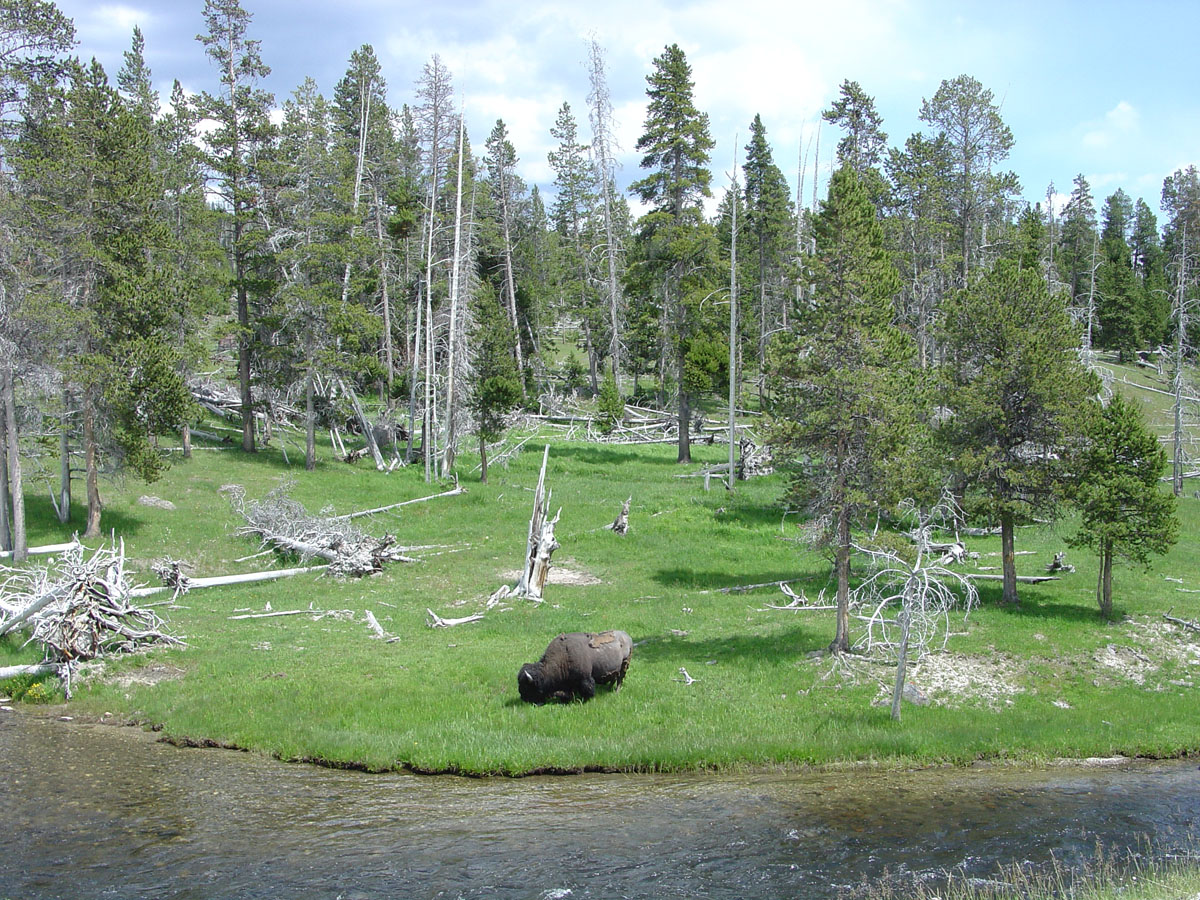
[1079, 234]
[1123, 510]
[1120, 310]
[676, 144]
[243, 130]
[770, 224]
[965, 113]
[1015, 394]
[496, 387]
[865, 143]
[843, 380]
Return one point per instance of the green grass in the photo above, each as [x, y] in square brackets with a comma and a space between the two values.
[446, 699]
[1107, 877]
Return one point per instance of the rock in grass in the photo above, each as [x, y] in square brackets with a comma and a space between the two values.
[156, 502]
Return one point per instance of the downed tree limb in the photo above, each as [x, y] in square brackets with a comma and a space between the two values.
[44, 668]
[222, 580]
[280, 521]
[374, 625]
[45, 549]
[1023, 579]
[368, 432]
[275, 614]
[370, 512]
[1182, 623]
[79, 608]
[436, 621]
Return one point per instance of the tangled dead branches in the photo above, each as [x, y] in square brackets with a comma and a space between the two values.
[280, 521]
[79, 607]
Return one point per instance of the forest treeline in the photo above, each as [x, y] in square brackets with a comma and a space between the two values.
[364, 239]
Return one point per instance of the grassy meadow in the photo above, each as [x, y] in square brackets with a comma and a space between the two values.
[1050, 679]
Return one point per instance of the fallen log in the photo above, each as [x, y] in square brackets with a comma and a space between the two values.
[436, 621]
[45, 549]
[1023, 579]
[223, 580]
[370, 512]
[1182, 623]
[44, 668]
[275, 613]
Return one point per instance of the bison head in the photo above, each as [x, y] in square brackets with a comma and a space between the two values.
[529, 683]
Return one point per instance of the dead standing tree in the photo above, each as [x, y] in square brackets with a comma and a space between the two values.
[539, 546]
[921, 590]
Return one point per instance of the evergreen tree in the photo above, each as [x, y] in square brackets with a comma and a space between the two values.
[770, 225]
[1015, 393]
[243, 131]
[865, 142]
[1120, 309]
[921, 175]
[965, 113]
[843, 381]
[1123, 510]
[1076, 256]
[496, 388]
[676, 250]
[1148, 266]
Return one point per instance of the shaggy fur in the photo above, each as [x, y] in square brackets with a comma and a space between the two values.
[574, 664]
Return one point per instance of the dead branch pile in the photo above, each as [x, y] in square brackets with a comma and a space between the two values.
[753, 460]
[79, 607]
[279, 521]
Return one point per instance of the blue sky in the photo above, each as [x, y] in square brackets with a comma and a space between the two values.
[1105, 89]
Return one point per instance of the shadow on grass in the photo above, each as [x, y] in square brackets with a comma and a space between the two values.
[696, 579]
[607, 456]
[1033, 608]
[43, 525]
[782, 647]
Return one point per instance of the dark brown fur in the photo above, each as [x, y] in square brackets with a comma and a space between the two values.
[574, 664]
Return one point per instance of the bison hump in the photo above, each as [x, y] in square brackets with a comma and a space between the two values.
[599, 640]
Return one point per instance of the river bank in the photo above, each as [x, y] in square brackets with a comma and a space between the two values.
[720, 681]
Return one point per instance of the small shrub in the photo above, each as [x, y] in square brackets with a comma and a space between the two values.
[611, 406]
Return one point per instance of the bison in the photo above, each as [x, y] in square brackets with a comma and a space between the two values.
[574, 664]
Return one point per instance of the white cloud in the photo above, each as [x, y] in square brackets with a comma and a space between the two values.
[1119, 123]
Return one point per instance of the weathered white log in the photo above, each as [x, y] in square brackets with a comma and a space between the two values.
[374, 625]
[34, 669]
[1023, 579]
[222, 580]
[33, 608]
[276, 613]
[370, 512]
[1182, 623]
[368, 432]
[47, 548]
[436, 621]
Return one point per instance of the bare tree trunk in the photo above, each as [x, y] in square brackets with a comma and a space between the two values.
[1104, 587]
[364, 119]
[601, 117]
[20, 546]
[310, 424]
[389, 354]
[901, 661]
[93, 468]
[841, 637]
[247, 398]
[482, 460]
[456, 264]
[185, 436]
[733, 321]
[5, 499]
[509, 282]
[1008, 560]
[685, 416]
[64, 469]
[412, 381]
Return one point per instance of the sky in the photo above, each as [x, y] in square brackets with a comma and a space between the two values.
[1103, 89]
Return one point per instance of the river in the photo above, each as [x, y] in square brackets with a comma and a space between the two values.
[96, 811]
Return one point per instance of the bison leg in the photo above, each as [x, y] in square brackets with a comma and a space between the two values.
[621, 674]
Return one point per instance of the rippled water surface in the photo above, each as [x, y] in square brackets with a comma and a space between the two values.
[112, 813]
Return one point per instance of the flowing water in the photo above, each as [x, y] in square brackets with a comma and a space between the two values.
[95, 811]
